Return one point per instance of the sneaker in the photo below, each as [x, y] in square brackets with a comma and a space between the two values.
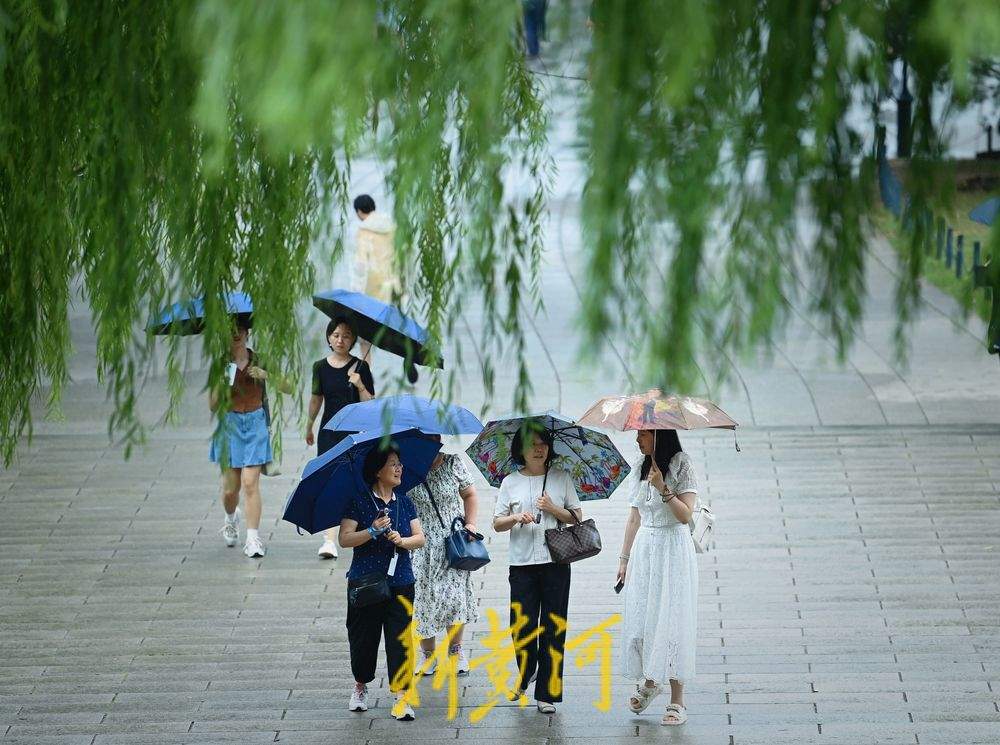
[328, 550]
[545, 707]
[402, 711]
[462, 666]
[253, 548]
[359, 699]
[230, 530]
[426, 669]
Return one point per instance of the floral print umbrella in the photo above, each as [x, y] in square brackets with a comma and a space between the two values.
[590, 457]
[655, 410]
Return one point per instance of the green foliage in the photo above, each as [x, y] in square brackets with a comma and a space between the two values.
[724, 146]
[153, 150]
[162, 149]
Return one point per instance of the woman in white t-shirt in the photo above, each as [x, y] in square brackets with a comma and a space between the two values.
[539, 588]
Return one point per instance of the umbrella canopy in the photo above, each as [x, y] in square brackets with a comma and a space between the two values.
[405, 410]
[590, 457]
[382, 324]
[188, 317]
[330, 481]
[986, 212]
[656, 410]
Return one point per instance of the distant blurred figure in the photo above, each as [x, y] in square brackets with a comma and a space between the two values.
[373, 257]
[534, 25]
[373, 262]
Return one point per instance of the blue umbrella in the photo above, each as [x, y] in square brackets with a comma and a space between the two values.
[382, 324]
[189, 317]
[986, 212]
[330, 481]
[405, 410]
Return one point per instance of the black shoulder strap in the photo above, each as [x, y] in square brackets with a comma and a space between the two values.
[433, 503]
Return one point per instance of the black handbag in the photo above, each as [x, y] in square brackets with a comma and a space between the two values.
[465, 550]
[368, 589]
[573, 542]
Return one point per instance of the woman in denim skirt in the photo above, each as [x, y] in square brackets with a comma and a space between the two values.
[242, 444]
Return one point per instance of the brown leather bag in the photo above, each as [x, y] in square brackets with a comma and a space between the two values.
[571, 543]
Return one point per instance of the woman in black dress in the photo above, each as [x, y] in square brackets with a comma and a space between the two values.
[338, 379]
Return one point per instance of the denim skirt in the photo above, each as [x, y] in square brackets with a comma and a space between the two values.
[243, 440]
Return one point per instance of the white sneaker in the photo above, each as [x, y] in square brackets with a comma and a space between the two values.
[253, 548]
[359, 699]
[429, 670]
[328, 550]
[544, 707]
[230, 530]
[462, 667]
[401, 711]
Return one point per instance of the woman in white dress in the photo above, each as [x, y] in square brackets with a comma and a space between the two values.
[658, 559]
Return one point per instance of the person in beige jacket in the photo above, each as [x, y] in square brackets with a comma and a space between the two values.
[373, 256]
[373, 267]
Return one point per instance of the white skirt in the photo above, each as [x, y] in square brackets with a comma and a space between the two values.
[660, 627]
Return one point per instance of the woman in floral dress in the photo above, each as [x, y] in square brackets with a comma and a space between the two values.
[444, 599]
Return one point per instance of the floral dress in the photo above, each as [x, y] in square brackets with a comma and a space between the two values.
[661, 592]
[443, 595]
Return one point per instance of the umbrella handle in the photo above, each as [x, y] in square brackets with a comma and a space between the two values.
[545, 480]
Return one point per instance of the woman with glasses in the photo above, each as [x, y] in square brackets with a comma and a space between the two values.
[382, 527]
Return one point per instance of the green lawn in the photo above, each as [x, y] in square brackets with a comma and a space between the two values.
[935, 271]
[960, 186]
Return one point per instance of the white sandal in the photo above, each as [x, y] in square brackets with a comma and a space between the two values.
[643, 697]
[674, 715]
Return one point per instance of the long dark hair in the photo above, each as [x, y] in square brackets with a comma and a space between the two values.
[668, 444]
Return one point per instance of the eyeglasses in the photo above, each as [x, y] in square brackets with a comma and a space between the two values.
[396, 466]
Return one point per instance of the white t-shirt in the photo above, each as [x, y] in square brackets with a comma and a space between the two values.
[518, 493]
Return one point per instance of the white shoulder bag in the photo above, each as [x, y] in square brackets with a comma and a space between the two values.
[702, 524]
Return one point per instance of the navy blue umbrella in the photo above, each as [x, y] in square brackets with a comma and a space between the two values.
[405, 410]
[382, 324]
[330, 481]
[188, 317]
[986, 212]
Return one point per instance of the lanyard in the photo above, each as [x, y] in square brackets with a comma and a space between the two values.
[380, 505]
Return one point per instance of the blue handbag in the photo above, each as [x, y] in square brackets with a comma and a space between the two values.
[465, 550]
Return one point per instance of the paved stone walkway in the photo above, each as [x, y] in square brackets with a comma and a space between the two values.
[852, 598]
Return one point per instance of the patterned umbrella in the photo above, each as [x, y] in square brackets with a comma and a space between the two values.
[656, 410]
[590, 457]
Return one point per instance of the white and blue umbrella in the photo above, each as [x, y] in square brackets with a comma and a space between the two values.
[405, 410]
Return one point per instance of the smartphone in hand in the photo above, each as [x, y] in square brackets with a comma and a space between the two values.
[619, 586]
